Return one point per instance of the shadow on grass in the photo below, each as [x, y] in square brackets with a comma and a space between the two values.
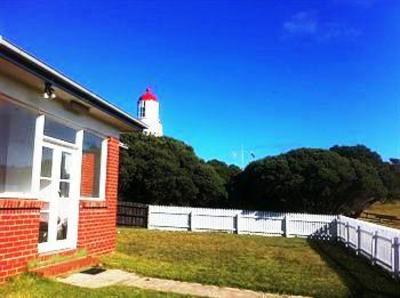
[361, 278]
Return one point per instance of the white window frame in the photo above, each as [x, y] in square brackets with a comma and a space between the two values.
[40, 138]
[103, 169]
[37, 155]
[79, 145]
[28, 195]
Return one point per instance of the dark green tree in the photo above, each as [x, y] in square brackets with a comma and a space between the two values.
[225, 171]
[388, 171]
[228, 174]
[309, 180]
[359, 152]
[166, 171]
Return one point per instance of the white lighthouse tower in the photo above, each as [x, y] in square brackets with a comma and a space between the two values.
[149, 113]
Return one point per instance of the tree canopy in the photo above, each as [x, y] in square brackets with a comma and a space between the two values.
[388, 171]
[311, 180]
[225, 171]
[166, 171]
[343, 179]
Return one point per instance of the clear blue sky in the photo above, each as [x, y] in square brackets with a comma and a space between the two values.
[268, 75]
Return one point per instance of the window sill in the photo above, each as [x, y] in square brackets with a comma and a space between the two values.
[62, 252]
[90, 204]
[17, 203]
[17, 196]
[92, 199]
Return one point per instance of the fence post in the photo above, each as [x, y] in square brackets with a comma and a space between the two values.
[358, 248]
[286, 231]
[148, 217]
[191, 221]
[237, 223]
[338, 229]
[347, 234]
[374, 247]
[396, 257]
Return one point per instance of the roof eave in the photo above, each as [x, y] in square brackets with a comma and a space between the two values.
[33, 65]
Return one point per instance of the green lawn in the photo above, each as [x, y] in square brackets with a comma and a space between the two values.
[27, 286]
[386, 208]
[271, 264]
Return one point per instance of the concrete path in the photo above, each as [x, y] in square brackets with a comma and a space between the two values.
[119, 277]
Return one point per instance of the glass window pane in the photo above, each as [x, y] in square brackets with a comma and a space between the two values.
[45, 185]
[47, 162]
[91, 165]
[17, 131]
[64, 190]
[66, 165]
[62, 220]
[44, 227]
[59, 131]
[62, 228]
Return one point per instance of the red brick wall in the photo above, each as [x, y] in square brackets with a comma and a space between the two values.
[19, 230]
[97, 220]
[87, 176]
[19, 223]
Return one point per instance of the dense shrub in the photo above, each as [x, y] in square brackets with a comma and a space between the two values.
[166, 171]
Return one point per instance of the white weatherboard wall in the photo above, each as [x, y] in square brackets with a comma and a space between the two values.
[241, 221]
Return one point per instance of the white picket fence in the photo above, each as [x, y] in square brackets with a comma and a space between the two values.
[241, 221]
[378, 243]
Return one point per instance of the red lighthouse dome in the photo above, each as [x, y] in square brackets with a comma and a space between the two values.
[148, 95]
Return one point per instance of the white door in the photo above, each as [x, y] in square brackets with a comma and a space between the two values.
[58, 189]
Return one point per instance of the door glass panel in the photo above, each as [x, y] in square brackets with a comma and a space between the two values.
[66, 165]
[64, 190]
[47, 162]
[45, 185]
[44, 227]
[62, 220]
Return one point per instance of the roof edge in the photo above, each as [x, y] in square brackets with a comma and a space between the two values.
[18, 56]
